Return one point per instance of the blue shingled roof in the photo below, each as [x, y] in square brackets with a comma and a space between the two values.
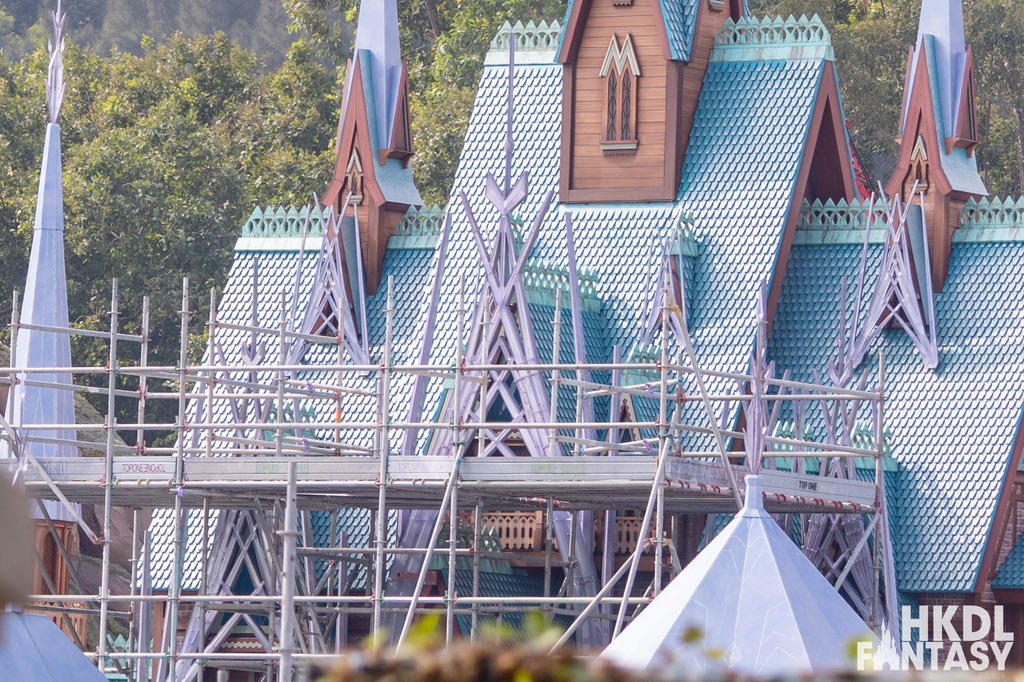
[269, 251]
[746, 148]
[954, 427]
[738, 185]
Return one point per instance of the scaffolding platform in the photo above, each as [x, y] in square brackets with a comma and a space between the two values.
[622, 482]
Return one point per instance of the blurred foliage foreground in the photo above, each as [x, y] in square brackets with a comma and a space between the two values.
[507, 654]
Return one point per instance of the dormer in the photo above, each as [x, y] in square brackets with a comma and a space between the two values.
[373, 185]
[938, 129]
[632, 73]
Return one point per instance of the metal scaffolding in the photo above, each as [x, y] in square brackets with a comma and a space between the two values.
[261, 440]
[216, 467]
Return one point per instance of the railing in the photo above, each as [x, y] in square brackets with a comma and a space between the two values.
[524, 531]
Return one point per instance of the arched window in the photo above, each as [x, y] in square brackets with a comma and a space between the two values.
[918, 167]
[621, 74]
[354, 175]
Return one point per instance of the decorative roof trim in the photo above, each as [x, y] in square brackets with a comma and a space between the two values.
[535, 43]
[991, 220]
[751, 39]
[279, 221]
[543, 278]
[987, 220]
[838, 222]
[420, 228]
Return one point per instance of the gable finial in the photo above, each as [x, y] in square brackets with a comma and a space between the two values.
[55, 84]
[510, 113]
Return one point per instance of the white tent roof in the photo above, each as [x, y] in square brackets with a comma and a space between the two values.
[33, 648]
[754, 598]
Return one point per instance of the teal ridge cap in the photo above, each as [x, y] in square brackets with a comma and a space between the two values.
[686, 233]
[283, 222]
[839, 222]
[426, 221]
[544, 278]
[535, 42]
[991, 219]
[751, 39]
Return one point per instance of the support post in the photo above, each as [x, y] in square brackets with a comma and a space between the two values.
[140, 434]
[879, 502]
[180, 527]
[290, 535]
[108, 474]
[478, 520]
[381, 526]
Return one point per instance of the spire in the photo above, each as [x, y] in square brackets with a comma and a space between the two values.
[941, 49]
[754, 597]
[46, 299]
[377, 41]
[373, 184]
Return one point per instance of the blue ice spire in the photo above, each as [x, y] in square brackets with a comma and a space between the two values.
[45, 302]
[377, 42]
[942, 27]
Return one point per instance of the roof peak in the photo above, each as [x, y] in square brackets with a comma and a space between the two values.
[377, 37]
[773, 38]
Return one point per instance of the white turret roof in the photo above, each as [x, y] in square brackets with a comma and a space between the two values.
[754, 598]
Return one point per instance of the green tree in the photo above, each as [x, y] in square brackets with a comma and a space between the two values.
[165, 154]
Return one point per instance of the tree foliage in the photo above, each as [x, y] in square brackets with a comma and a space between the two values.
[260, 25]
[165, 154]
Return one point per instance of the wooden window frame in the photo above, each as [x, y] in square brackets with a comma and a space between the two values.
[621, 74]
[354, 178]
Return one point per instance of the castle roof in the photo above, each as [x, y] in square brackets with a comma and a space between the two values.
[953, 428]
[751, 595]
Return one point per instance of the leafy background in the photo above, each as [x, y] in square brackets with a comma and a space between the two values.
[181, 115]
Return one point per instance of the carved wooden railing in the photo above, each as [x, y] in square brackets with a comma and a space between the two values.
[76, 620]
[524, 531]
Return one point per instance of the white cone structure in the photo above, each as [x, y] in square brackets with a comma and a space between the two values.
[759, 605]
[45, 303]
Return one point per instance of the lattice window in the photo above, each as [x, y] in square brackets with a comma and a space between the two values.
[621, 74]
[918, 166]
[354, 177]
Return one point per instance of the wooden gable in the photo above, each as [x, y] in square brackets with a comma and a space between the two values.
[919, 162]
[627, 106]
[355, 178]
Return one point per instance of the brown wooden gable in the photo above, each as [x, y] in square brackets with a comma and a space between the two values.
[603, 159]
[354, 137]
[378, 219]
[826, 172]
[919, 159]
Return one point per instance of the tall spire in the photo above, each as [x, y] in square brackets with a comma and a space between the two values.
[942, 26]
[46, 299]
[937, 167]
[373, 183]
[378, 41]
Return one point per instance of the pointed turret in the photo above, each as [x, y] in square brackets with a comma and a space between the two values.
[45, 302]
[938, 128]
[752, 595]
[373, 182]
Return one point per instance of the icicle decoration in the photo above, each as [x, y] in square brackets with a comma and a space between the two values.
[55, 84]
[902, 293]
